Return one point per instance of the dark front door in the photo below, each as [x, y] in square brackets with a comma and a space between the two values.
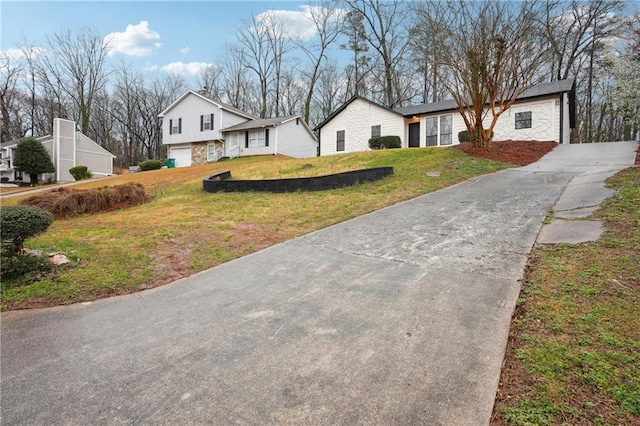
[414, 135]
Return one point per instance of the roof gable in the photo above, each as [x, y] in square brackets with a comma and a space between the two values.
[261, 123]
[346, 104]
[218, 104]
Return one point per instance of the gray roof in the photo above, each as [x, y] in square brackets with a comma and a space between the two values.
[544, 89]
[260, 123]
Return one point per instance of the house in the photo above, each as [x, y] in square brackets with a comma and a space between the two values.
[67, 148]
[198, 130]
[289, 136]
[543, 112]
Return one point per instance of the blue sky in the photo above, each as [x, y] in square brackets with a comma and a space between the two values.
[148, 34]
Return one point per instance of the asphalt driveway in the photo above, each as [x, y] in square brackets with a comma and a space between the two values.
[396, 317]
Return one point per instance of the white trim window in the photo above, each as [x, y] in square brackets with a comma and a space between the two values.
[340, 140]
[211, 152]
[206, 122]
[256, 138]
[175, 126]
[376, 131]
[439, 130]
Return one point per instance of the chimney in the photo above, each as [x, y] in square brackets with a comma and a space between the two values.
[204, 92]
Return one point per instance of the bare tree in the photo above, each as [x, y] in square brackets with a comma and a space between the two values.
[209, 79]
[489, 49]
[263, 43]
[385, 29]
[75, 63]
[328, 26]
[355, 31]
[10, 69]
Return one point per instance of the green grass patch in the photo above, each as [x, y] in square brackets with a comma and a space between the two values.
[576, 350]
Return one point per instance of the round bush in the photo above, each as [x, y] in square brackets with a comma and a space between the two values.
[20, 265]
[80, 172]
[18, 223]
[150, 165]
[385, 142]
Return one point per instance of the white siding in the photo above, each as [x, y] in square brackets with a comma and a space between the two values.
[189, 110]
[295, 140]
[356, 120]
[98, 160]
[545, 122]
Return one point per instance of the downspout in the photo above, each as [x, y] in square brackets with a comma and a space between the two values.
[561, 118]
[56, 148]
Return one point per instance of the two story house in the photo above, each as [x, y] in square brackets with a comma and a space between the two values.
[199, 130]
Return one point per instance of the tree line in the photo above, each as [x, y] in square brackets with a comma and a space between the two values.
[399, 53]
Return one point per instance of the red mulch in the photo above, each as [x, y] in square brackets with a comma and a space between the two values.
[514, 152]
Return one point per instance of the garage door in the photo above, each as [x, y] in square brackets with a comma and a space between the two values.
[182, 156]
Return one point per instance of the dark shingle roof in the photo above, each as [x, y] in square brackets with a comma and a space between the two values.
[544, 89]
[259, 123]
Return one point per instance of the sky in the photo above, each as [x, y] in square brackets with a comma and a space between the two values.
[153, 36]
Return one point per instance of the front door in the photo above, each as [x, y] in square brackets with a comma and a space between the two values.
[414, 135]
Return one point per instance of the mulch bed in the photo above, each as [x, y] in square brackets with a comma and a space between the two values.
[514, 152]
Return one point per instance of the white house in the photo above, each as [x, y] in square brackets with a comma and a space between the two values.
[198, 130]
[67, 148]
[545, 112]
[289, 136]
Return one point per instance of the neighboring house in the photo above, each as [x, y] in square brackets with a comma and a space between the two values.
[545, 112]
[67, 148]
[198, 130]
[289, 136]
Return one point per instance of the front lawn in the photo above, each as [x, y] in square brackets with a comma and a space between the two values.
[184, 230]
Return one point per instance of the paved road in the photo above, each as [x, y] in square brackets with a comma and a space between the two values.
[397, 317]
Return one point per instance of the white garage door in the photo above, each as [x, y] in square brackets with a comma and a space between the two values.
[182, 156]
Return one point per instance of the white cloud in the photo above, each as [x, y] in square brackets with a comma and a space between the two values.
[150, 67]
[184, 50]
[19, 54]
[181, 68]
[296, 23]
[136, 40]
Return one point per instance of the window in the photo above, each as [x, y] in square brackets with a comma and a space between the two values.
[256, 138]
[206, 122]
[175, 126]
[439, 130]
[446, 129]
[340, 140]
[375, 131]
[431, 124]
[211, 152]
[523, 120]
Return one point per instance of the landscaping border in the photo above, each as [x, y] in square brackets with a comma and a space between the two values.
[223, 182]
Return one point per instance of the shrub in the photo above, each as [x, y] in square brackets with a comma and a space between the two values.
[63, 202]
[385, 142]
[80, 172]
[465, 136]
[20, 265]
[150, 165]
[18, 223]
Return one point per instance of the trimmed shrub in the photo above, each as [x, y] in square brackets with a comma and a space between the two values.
[80, 172]
[150, 165]
[465, 136]
[20, 265]
[63, 202]
[385, 142]
[18, 223]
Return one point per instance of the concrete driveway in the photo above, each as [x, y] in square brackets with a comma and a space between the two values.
[396, 317]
